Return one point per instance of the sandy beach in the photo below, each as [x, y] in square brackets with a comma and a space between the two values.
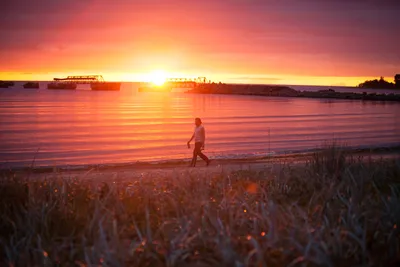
[124, 173]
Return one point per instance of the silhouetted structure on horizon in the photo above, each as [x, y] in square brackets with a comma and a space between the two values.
[87, 79]
[6, 84]
[171, 83]
[31, 85]
[97, 83]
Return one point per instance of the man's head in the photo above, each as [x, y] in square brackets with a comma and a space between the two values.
[197, 121]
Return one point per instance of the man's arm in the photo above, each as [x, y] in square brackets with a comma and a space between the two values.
[191, 138]
[204, 138]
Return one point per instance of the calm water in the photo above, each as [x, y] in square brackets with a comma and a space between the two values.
[86, 127]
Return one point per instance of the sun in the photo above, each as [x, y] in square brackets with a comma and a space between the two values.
[158, 77]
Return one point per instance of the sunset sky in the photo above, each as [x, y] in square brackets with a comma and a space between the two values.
[327, 42]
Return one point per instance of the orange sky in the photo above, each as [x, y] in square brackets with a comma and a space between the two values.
[255, 41]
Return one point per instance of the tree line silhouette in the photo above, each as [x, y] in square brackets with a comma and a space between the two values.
[382, 83]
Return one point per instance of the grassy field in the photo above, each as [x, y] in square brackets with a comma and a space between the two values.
[334, 210]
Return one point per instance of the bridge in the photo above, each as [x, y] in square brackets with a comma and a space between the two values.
[171, 83]
[88, 79]
[184, 82]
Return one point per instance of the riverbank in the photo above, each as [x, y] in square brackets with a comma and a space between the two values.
[335, 210]
[285, 91]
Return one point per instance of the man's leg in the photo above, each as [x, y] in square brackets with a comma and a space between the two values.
[194, 159]
[204, 157]
[200, 153]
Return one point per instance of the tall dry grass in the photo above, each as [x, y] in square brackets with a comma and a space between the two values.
[332, 211]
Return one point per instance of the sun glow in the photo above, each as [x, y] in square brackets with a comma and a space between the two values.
[158, 77]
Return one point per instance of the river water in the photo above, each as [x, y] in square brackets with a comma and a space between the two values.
[86, 127]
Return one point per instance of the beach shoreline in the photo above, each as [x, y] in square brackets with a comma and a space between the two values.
[139, 169]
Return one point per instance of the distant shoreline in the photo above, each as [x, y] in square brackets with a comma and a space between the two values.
[301, 91]
[230, 83]
[286, 91]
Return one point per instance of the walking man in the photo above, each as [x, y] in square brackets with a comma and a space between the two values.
[199, 137]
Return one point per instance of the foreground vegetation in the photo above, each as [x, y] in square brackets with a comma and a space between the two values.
[332, 211]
